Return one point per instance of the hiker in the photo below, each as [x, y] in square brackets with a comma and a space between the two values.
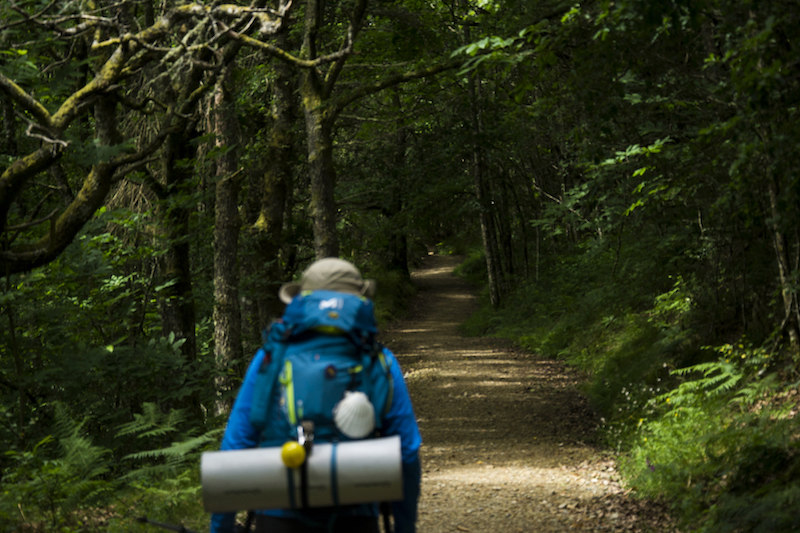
[394, 415]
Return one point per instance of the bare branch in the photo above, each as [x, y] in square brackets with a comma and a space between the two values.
[356, 22]
[20, 170]
[87, 23]
[280, 53]
[269, 25]
[26, 225]
[26, 17]
[338, 62]
[29, 132]
[208, 43]
[392, 80]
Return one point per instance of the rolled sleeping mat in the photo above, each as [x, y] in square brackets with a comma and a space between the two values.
[341, 473]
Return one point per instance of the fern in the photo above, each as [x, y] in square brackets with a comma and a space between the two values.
[723, 444]
[152, 422]
[177, 453]
[719, 377]
[755, 390]
[171, 459]
[51, 482]
[739, 376]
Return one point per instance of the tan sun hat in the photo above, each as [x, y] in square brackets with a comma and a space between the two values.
[329, 274]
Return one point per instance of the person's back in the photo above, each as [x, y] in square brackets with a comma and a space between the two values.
[322, 355]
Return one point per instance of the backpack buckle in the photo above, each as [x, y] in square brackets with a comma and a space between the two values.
[305, 435]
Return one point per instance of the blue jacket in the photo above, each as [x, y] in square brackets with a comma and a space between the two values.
[399, 420]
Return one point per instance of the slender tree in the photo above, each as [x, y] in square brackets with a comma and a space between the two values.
[227, 223]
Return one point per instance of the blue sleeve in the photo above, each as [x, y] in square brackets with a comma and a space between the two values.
[222, 522]
[405, 511]
[239, 434]
[401, 420]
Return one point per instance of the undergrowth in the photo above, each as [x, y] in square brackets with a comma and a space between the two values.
[723, 445]
[68, 483]
[138, 453]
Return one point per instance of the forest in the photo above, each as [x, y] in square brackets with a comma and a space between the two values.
[617, 175]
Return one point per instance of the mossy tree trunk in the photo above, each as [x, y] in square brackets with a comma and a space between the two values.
[227, 223]
[274, 186]
[316, 88]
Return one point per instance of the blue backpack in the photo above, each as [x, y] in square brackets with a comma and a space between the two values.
[322, 347]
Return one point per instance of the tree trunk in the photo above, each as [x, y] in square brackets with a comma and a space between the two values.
[791, 310]
[315, 90]
[275, 186]
[20, 369]
[320, 166]
[178, 314]
[398, 239]
[8, 142]
[502, 210]
[482, 192]
[227, 316]
[177, 304]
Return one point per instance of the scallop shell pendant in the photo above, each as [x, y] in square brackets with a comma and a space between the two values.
[354, 415]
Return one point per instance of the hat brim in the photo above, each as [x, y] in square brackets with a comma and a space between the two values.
[368, 289]
[289, 290]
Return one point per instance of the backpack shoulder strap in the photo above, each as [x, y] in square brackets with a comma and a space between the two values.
[275, 337]
[382, 386]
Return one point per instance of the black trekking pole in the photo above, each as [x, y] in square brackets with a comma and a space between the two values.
[386, 512]
[170, 527]
[182, 529]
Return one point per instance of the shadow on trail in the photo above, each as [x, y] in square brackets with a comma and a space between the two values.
[507, 436]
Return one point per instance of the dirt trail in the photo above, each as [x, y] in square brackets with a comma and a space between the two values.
[507, 437]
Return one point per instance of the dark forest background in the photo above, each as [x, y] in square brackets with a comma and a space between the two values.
[621, 177]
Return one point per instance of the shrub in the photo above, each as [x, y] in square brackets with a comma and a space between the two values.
[46, 484]
[722, 446]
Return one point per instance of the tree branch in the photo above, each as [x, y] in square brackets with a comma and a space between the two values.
[283, 55]
[130, 51]
[390, 81]
[356, 22]
[29, 132]
[26, 101]
[18, 172]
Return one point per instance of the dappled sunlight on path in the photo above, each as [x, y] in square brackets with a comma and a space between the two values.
[507, 436]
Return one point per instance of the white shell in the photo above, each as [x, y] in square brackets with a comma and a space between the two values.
[354, 415]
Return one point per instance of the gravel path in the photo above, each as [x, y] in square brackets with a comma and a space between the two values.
[507, 437]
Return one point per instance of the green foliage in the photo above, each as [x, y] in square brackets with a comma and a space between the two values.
[152, 426]
[722, 439]
[162, 483]
[60, 473]
[173, 499]
[111, 360]
[62, 481]
[394, 291]
[639, 166]
[473, 267]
